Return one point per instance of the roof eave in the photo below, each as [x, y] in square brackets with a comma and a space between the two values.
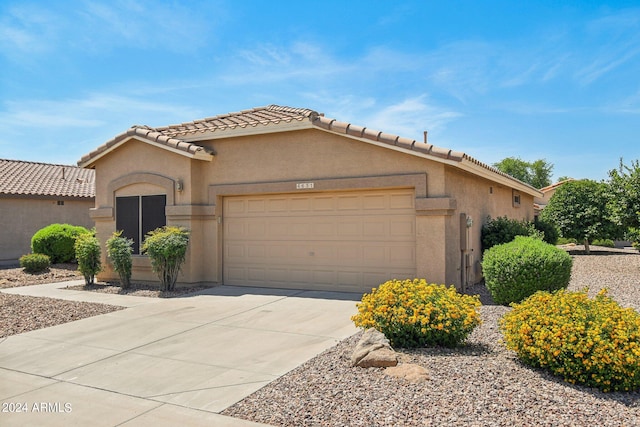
[464, 164]
[90, 160]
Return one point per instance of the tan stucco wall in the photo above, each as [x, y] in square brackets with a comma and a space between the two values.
[22, 217]
[272, 163]
[479, 198]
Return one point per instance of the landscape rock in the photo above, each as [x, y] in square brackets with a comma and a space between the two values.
[380, 358]
[373, 351]
[409, 371]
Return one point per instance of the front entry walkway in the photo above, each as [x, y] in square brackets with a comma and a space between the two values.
[178, 361]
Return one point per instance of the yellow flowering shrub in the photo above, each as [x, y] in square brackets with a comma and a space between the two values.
[413, 313]
[593, 342]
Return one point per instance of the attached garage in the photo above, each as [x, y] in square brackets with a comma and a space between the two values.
[288, 198]
[349, 241]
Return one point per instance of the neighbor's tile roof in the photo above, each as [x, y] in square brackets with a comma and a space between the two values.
[43, 179]
[555, 185]
[176, 136]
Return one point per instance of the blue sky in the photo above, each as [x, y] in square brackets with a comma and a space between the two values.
[540, 79]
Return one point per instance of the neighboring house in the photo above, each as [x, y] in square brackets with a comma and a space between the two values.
[547, 193]
[285, 197]
[34, 195]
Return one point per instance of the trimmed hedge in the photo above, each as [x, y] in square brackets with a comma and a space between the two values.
[87, 249]
[516, 270]
[167, 249]
[57, 242]
[35, 263]
[120, 250]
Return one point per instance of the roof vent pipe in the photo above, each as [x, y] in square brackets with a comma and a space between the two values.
[425, 136]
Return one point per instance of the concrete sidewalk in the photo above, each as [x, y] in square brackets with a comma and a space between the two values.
[164, 361]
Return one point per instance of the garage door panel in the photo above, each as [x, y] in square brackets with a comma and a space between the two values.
[334, 241]
[374, 202]
[402, 229]
[324, 203]
[256, 206]
[402, 201]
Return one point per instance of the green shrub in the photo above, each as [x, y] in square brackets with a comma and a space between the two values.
[504, 230]
[513, 271]
[413, 313]
[607, 243]
[593, 342]
[167, 248]
[119, 250]
[566, 241]
[56, 241]
[87, 249]
[549, 230]
[35, 263]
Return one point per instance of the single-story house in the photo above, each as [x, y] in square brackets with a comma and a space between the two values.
[286, 197]
[34, 195]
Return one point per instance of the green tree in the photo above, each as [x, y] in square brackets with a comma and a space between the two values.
[579, 210]
[540, 173]
[516, 167]
[536, 173]
[624, 203]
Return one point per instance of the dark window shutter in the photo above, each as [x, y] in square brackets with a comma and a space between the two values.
[128, 219]
[153, 213]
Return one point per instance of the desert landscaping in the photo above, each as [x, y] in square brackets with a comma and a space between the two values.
[479, 384]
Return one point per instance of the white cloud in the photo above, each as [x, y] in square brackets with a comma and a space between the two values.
[411, 117]
[94, 111]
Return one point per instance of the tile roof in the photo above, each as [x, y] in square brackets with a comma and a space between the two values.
[184, 135]
[273, 114]
[43, 179]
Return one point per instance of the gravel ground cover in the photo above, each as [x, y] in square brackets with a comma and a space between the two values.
[138, 290]
[481, 384]
[13, 277]
[20, 313]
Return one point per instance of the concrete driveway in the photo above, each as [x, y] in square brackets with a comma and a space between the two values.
[160, 362]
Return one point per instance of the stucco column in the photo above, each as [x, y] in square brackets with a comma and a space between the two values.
[433, 238]
[431, 248]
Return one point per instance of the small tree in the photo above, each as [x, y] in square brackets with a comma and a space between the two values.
[579, 210]
[119, 250]
[167, 248]
[87, 249]
[624, 203]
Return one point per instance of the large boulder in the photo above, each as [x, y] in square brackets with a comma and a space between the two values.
[373, 351]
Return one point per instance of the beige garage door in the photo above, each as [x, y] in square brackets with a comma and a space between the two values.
[350, 241]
